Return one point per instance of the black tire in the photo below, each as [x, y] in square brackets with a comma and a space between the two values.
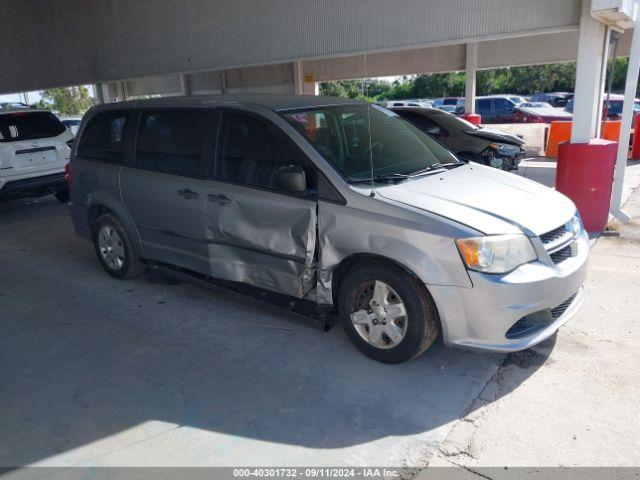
[131, 266]
[423, 325]
[62, 196]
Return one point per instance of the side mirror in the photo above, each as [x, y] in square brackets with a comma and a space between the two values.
[291, 178]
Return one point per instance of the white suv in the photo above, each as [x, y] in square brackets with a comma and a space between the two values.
[33, 154]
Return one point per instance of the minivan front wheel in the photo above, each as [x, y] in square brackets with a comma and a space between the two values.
[387, 313]
[114, 249]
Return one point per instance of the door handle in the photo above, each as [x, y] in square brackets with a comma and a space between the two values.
[219, 198]
[188, 194]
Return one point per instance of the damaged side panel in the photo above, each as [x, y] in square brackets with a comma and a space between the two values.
[411, 240]
[261, 237]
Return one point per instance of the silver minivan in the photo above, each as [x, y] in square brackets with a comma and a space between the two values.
[335, 201]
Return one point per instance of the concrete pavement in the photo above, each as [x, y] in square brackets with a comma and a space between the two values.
[572, 401]
[100, 372]
[97, 371]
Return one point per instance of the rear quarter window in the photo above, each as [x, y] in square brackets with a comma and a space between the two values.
[103, 137]
[27, 125]
[172, 141]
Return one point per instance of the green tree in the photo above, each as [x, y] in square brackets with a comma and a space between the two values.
[67, 101]
[526, 80]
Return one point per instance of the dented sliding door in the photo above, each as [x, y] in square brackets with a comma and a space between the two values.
[260, 237]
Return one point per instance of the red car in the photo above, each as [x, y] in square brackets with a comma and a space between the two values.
[540, 112]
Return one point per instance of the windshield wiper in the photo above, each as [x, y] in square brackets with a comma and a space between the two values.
[381, 178]
[435, 166]
[404, 176]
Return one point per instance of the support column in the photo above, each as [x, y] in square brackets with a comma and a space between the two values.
[298, 78]
[223, 83]
[185, 87]
[97, 89]
[586, 164]
[303, 84]
[311, 88]
[470, 87]
[625, 126]
[109, 91]
[593, 42]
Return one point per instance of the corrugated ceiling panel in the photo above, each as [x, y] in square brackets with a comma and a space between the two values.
[65, 42]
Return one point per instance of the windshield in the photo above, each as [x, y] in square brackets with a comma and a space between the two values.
[615, 107]
[535, 105]
[357, 144]
[28, 126]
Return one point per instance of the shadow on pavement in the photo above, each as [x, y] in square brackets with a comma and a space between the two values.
[86, 357]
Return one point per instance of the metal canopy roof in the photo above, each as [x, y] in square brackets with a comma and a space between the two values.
[68, 42]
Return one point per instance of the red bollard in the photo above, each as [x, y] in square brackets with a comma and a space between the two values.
[472, 118]
[635, 146]
[585, 175]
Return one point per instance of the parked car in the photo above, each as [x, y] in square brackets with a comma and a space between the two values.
[495, 108]
[13, 105]
[469, 142]
[448, 102]
[555, 99]
[447, 108]
[540, 112]
[72, 124]
[614, 112]
[409, 103]
[33, 154]
[336, 201]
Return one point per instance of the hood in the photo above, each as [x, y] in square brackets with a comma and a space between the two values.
[556, 112]
[496, 135]
[485, 199]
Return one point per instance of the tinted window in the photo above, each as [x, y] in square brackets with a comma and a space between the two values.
[172, 141]
[251, 151]
[483, 105]
[615, 107]
[29, 126]
[502, 104]
[425, 124]
[103, 137]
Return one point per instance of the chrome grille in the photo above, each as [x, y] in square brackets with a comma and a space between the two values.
[560, 309]
[554, 234]
[561, 255]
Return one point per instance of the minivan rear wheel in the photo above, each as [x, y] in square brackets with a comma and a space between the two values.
[114, 249]
[387, 313]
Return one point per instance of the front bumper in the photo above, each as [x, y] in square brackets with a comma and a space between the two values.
[480, 317]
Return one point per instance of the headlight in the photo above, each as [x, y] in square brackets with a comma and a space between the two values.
[505, 148]
[496, 254]
[575, 225]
